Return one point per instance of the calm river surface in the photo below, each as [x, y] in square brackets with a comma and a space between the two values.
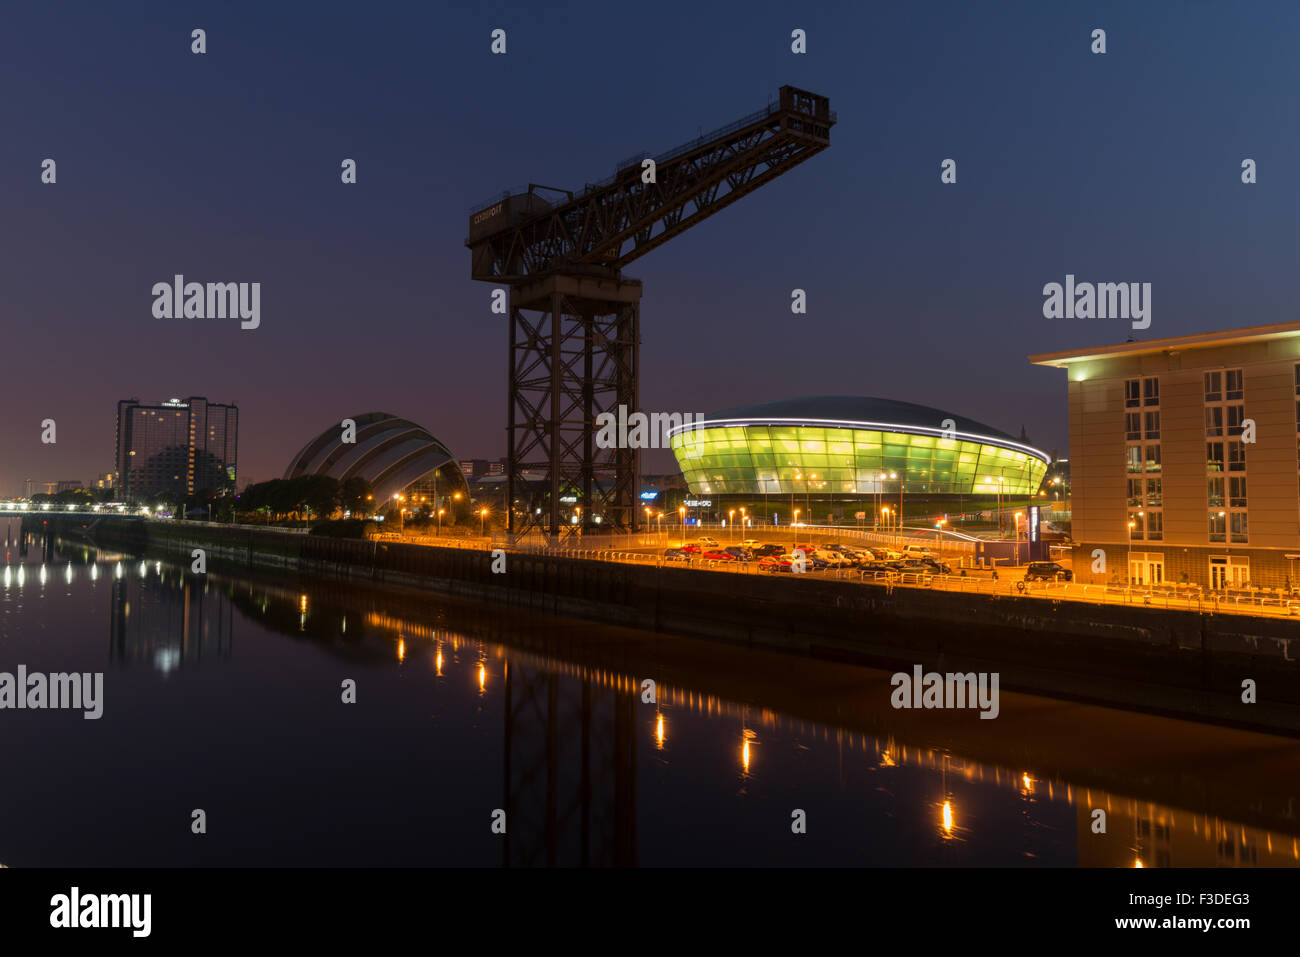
[226, 694]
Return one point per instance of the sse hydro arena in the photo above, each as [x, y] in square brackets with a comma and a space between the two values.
[840, 449]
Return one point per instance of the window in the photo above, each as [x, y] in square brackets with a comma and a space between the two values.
[1236, 457]
[1151, 391]
[1133, 425]
[1236, 415]
[1238, 526]
[1135, 492]
[1153, 458]
[1214, 456]
[1131, 392]
[1217, 527]
[1216, 493]
[1156, 526]
[1135, 527]
[1236, 491]
[1133, 456]
[1232, 381]
[1153, 425]
[1153, 492]
[1213, 421]
[1214, 385]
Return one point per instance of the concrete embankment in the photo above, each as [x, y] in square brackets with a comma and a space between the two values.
[1174, 662]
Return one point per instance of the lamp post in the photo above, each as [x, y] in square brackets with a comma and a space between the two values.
[682, 512]
[1128, 571]
[731, 520]
[1017, 521]
[884, 510]
[797, 477]
[440, 511]
[482, 518]
[807, 496]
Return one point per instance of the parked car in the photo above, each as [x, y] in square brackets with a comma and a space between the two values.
[741, 553]
[770, 549]
[937, 566]
[1048, 571]
[915, 550]
[676, 555]
[833, 558]
[749, 543]
[705, 540]
[717, 555]
[775, 563]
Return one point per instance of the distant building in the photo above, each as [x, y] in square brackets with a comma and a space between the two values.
[105, 482]
[69, 485]
[482, 468]
[29, 488]
[178, 446]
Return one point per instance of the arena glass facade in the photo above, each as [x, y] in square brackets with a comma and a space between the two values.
[844, 446]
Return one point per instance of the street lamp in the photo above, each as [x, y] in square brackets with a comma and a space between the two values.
[682, 512]
[1017, 520]
[440, 511]
[797, 477]
[1128, 572]
[796, 516]
[731, 520]
[482, 518]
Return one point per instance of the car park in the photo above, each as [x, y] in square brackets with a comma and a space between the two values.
[740, 553]
[676, 555]
[1048, 571]
[769, 549]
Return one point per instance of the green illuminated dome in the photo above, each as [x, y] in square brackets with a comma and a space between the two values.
[846, 445]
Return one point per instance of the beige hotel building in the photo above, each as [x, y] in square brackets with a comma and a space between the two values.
[1183, 457]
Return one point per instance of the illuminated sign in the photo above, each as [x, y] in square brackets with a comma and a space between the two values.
[649, 496]
[698, 502]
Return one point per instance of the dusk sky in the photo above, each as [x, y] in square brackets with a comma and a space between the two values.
[225, 167]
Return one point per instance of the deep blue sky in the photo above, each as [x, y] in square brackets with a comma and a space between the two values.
[225, 167]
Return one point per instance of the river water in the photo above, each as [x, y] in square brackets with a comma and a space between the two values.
[225, 695]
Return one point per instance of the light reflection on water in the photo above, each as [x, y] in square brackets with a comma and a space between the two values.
[464, 709]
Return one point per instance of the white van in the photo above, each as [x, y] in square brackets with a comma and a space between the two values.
[914, 550]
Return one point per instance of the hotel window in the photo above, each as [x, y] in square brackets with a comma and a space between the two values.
[1132, 425]
[1132, 393]
[1153, 492]
[1232, 380]
[1237, 522]
[1216, 493]
[1156, 526]
[1236, 457]
[1214, 385]
[1218, 526]
[1153, 458]
[1133, 455]
[1151, 391]
[1135, 493]
[1152, 425]
[1236, 416]
[1213, 421]
[1237, 492]
[1214, 456]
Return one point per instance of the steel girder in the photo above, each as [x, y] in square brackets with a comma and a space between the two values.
[573, 355]
[612, 224]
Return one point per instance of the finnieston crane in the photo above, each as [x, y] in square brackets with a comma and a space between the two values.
[574, 317]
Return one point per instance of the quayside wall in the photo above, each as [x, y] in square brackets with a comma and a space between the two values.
[1167, 661]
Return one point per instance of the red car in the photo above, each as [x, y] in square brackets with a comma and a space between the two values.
[719, 556]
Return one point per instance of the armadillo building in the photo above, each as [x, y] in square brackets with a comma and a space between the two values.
[396, 456]
[846, 447]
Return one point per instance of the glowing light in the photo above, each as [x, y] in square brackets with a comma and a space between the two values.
[302, 603]
[744, 755]
[482, 678]
[437, 664]
[401, 649]
[1138, 862]
[659, 732]
[947, 818]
